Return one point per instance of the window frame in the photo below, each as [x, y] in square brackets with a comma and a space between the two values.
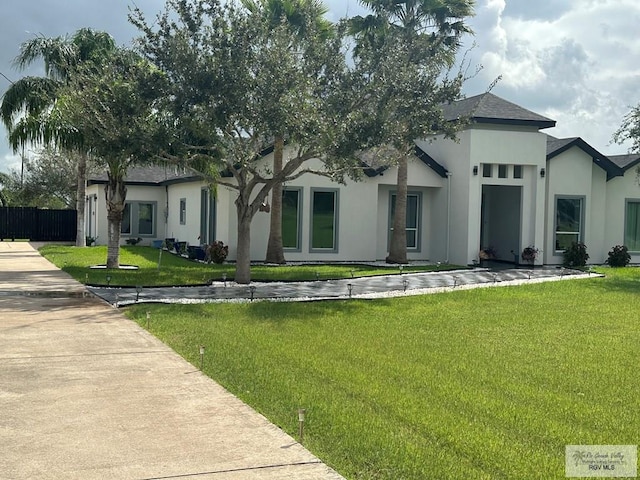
[336, 222]
[581, 229]
[627, 202]
[299, 191]
[418, 227]
[183, 211]
[518, 172]
[134, 219]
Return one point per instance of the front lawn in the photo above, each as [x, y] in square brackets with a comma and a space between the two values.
[176, 270]
[479, 384]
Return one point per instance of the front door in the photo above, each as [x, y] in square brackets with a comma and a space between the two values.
[501, 212]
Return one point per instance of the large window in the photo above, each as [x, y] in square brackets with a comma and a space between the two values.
[139, 219]
[632, 225]
[291, 211]
[324, 225]
[413, 219]
[569, 221]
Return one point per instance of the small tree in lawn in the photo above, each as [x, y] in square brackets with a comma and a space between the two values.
[113, 107]
[406, 49]
[235, 83]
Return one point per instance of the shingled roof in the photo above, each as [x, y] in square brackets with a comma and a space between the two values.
[489, 108]
[555, 146]
[151, 175]
[625, 162]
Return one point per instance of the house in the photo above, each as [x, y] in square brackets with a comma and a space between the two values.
[504, 183]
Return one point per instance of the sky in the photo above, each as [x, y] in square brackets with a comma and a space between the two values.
[575, 61]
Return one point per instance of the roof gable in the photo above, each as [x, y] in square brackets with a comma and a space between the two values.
[556, 146]
[625, 162]
[489, 108]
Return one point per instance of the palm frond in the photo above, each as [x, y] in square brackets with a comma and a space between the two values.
[29, 96]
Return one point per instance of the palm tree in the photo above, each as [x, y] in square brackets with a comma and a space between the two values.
[299, 16]
[27, 105]
[422, 32]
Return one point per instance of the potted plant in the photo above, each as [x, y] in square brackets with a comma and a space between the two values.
[529, 254]
[486, 253]
[217, 252]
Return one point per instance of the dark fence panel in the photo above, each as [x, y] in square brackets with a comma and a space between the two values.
[37, 225]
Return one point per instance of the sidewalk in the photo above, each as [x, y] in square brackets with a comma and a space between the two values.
[87, 394]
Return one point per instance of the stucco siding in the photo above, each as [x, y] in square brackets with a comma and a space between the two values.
[619, 191]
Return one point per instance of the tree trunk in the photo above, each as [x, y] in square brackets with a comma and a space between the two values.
[81, 238]
[243, 255]
[275, 249]
[398, 245]
[116, 194]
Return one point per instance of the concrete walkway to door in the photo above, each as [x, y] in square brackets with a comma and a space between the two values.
[87, 394]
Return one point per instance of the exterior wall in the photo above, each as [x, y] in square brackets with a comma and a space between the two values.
[134, 193]
[476, 146]
[190, 231]
[573, 173]
[362, 217]
[619, 190]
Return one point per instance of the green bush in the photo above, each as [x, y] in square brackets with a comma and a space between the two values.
[619, 256]
[217, 252]
[576, 255]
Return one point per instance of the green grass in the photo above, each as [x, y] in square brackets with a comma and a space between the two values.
[479, 384]
[175, 270]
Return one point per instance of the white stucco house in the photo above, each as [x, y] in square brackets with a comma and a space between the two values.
[505, 183]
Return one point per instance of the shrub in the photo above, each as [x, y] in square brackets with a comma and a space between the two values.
[217, 252]
[619, 256]
[576, 255]
[133, 241]
[529, 254]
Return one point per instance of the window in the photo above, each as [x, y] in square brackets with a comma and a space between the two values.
[487, 170]
[569, 220]
[502, 171]
[138, 219]
[517, 171]
[291, 218]
[183, 211]
[413, 219]
[632, 225]
[125, 226]
[324, 220]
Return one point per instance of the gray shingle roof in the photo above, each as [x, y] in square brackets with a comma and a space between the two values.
[151, 175]
[489, 108]
[625, 162]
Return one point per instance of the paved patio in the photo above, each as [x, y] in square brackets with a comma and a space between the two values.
[363, 287]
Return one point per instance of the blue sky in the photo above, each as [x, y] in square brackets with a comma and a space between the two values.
[576, 61]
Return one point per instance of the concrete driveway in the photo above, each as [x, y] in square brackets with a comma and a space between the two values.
[87, 394]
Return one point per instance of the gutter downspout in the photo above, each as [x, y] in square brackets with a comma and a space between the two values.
[448, 214]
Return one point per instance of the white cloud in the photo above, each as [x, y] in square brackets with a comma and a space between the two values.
[10, 161]
[576, 61]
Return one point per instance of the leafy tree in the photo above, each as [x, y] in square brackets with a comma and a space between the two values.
[630, 129]
[27, 105]
[113, 106]
[5, 182]
[406, 49]
[235, 83]
[48, 181]
[293, 15]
